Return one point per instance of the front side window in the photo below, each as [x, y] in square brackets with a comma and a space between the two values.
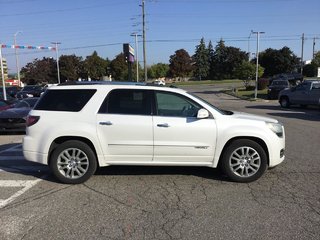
[127, 101]
[174, 105]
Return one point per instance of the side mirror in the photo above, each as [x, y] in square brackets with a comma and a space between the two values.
[203, 113]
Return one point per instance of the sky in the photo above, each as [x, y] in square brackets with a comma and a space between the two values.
[84, 26]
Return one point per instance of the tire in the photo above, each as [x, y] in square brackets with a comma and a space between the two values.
[73, 162]
[284, 102]
[244, 161]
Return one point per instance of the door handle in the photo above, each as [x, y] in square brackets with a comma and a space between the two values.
[163, 125]
[107, 123]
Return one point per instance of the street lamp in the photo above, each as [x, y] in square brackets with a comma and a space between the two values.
[257, 57]
[16, 53]
[135, 35]
[57, 56]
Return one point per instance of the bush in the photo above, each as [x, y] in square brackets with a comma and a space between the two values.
[263, 83]
[310, 70]
[250, 88]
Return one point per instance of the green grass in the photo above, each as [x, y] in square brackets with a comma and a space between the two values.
[205, 82]
[249, 94]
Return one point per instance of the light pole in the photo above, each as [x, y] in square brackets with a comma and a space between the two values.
[57, 56]
[249, 46]
[16, 53]
[144, 41]
[257, 68]
[135, 35]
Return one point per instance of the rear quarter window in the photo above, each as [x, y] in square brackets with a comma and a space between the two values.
[71, 100]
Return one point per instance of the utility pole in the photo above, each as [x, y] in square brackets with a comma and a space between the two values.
[257, 67]
[57, 56]
[313, 47]
[301, 66]
[135, 35]
[144, 41]
[16, 53]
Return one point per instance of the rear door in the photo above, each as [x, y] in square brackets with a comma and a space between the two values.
[124, 126]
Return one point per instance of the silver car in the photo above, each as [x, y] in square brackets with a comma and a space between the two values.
[306, 93]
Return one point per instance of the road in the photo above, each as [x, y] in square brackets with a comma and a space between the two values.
[170, 202]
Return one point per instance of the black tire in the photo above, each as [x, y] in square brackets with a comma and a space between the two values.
[73, 162]
[284, 102]
[244, 161]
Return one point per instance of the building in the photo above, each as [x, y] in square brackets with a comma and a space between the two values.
[5, 69]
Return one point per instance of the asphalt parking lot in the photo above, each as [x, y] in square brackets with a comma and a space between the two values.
[170, 202]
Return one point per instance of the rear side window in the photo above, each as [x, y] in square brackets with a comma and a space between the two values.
[65, 100]
[127, 101]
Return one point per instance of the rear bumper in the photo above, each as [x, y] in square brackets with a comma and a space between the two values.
[35, 157]
[30, 152]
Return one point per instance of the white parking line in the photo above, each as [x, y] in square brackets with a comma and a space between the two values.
[22, 169]
[12, 158]
[12, 149]
[26, 184]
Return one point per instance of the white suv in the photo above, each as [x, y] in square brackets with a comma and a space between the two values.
[76, 128]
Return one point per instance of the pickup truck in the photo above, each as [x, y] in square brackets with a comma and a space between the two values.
[306, 93]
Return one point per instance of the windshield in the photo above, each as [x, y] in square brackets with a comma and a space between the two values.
[29, 103]
[224, 112]
[28, 88]
[277, 83]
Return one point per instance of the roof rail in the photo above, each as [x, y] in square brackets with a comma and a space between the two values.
[97, 82]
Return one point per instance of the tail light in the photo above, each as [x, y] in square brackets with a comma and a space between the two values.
[31, 120]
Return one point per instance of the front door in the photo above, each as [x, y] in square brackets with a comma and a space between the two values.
[124, 126]
[178, 135]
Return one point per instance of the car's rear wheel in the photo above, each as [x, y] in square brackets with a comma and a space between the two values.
[244, 160]
[284, 102]
[73, 162]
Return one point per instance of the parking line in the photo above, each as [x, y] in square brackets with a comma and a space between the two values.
[11, 148]
[26, 184]
[12, 158]
[22, 169]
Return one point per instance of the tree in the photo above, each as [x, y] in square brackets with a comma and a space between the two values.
[71, 67]
[310, 70]
[119, 68]
[201, 59]
[211, 58]
[39, 71]
[95, 66]
[158, 70]
[225, 60]
[316, 59]
[180, 64]
[278, 61]
[247, 71]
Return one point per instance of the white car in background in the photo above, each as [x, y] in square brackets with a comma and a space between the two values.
[76, 128]
[159, 82]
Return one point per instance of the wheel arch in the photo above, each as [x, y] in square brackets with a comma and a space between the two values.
[63, 139]
[255, 139]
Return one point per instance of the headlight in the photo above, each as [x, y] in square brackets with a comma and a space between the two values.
[277, 128]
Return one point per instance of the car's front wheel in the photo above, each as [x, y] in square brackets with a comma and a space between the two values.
[244, 160]
[73, 162]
